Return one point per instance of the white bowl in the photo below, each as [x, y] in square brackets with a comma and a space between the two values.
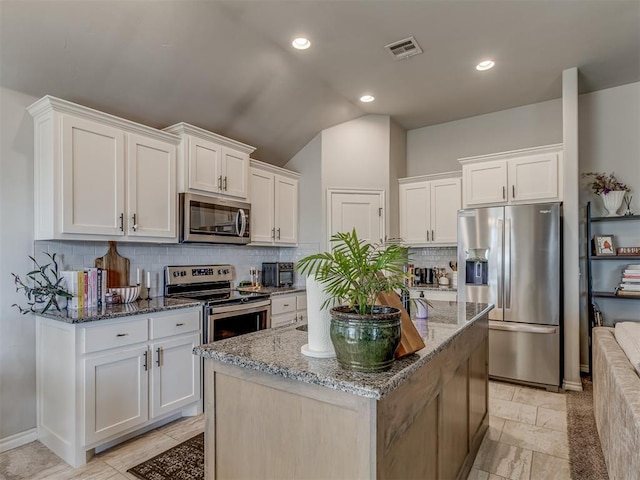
[127, 294]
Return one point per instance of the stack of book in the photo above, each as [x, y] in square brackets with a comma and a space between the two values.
[630, 283]
[88, 287]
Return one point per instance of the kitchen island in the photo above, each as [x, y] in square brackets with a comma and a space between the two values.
[274, 413]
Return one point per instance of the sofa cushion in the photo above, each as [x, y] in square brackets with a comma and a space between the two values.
[628, 337]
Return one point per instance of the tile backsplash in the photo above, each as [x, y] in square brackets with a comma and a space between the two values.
[76, 255]
[433, 256]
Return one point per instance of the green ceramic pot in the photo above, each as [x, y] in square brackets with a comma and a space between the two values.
[365, 343]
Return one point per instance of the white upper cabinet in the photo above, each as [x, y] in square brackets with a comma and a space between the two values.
[428, 209]
[523, 176]
[151, 188]
[99, 177]
[210, 163]
[274, 205]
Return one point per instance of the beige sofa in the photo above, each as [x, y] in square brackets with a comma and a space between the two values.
[616, 402]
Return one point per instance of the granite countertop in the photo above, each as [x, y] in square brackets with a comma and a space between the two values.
[277, 351]
[433, 286]
[273, 290]
[139, 307]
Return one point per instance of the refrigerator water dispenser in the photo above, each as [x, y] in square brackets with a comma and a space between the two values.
[477, 266]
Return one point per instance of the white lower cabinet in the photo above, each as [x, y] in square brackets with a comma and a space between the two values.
[287, 309]
[116, 392]
[100, 381]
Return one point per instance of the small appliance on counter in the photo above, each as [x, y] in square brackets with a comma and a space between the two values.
[277, 274]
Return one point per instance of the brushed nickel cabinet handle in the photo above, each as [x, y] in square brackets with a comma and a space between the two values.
[135, 224]
[179, 324]
[513, 191]
[145, 361]
[225, 183]
[273, 233]
[503, 193]
[159, 352]
[122, 222]
[278, 234]
[122, 334]
[220, 182]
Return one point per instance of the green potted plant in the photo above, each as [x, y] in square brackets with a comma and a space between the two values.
[44, 288]
[365, 335]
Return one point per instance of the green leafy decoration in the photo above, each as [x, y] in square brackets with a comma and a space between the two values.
[356, 272]
[43, 287]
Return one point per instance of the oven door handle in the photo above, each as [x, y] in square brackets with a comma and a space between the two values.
[242, 308]
[241, 222]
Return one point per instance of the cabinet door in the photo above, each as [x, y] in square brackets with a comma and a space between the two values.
[534, 178]
[415, 213]
[262, 206]
[485, 183]
[175, 374]
[286, 210]
[115, 392]
[445, 202]
[204, 165]
[92, 177]
[151, 187]
[235, 169]
[359, 210]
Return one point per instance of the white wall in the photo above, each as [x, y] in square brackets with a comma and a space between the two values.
[17, 358]
[436, 149]
[355, 154]
[610, 138]
[397, 169]
[609, 122]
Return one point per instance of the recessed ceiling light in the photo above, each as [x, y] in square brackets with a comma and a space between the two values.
[301, 43]
[367, 98]
[485, 65]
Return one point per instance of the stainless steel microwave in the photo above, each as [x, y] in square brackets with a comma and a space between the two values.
[206, 219]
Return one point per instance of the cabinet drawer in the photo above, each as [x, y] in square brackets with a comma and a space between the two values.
[176, 324]
[286, 319]
[283, 304]
[115, 335]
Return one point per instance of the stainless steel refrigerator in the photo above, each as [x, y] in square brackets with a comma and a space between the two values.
[511, 256]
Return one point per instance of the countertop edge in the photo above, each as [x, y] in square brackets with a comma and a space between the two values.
[120, 310]
[376, 393]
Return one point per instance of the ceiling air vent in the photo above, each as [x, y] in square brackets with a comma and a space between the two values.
[405, 48]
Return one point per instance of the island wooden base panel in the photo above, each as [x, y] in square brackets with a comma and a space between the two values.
[260, 425]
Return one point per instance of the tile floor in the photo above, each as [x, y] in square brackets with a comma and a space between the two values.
[527, 440]
[36, 462]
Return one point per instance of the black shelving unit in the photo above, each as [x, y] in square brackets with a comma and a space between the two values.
[591, 295]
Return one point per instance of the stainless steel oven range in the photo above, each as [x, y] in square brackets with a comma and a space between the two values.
[227, 312]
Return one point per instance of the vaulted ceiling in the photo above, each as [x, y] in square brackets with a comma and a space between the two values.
[228, 66]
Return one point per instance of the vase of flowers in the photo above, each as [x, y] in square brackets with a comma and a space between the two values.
[609, 188]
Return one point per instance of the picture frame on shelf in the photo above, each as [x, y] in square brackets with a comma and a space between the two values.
[603, 245]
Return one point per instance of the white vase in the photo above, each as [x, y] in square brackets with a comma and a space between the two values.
[612, 201]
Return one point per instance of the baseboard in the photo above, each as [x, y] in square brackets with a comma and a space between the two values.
[18, 439]
[573, 386]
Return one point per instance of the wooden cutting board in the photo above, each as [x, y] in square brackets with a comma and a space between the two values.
[410, 341]
[116, 266]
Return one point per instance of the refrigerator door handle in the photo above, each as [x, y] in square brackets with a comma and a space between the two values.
[507, 263]
[500, 272]
[521, 327]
